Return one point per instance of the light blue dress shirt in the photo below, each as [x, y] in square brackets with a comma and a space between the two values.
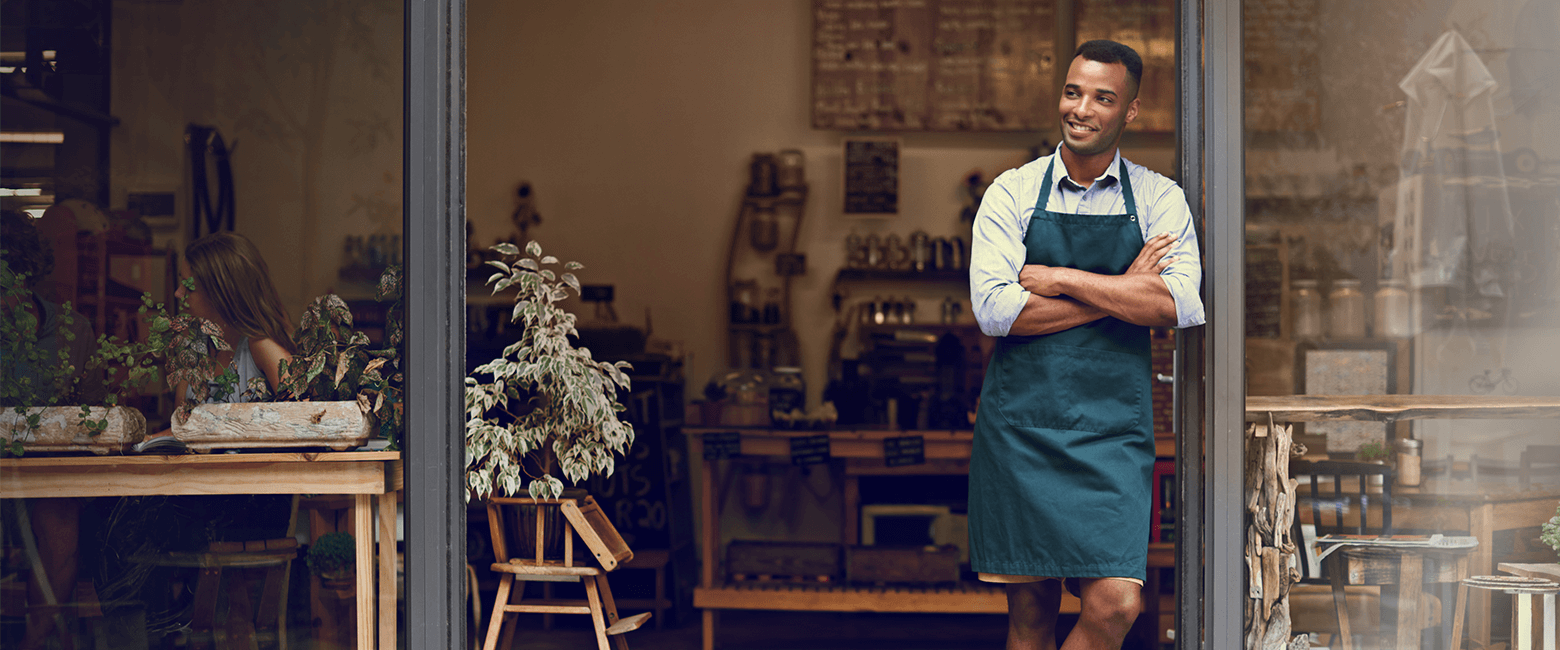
[997, 246]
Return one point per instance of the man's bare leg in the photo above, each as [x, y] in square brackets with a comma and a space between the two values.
[1109, 609]
[1032, 608]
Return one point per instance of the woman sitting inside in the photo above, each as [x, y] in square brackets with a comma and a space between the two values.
[233, 289]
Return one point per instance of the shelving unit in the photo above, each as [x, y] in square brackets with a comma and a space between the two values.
[745, 338]
[945, 452]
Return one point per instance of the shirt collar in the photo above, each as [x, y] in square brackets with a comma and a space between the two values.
[1105, 179]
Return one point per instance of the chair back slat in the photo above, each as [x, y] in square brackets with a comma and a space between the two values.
[1334, 510]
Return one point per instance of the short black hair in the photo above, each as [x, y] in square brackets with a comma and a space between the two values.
[1108, 51]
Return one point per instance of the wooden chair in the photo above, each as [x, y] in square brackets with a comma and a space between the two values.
[1381, 571]
[581, 519]
[222, 569]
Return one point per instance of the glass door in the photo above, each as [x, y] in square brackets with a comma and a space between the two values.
[1401, 181]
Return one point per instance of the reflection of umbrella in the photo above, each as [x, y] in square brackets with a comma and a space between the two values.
[1454, 218]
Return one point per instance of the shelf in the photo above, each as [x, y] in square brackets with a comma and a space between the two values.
[963, 598]
[902, 275]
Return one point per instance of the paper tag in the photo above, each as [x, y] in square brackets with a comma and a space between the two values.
[905, 450]
[725, 444]
[810, 450]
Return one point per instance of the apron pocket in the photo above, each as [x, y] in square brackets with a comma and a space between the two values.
[1070, 388]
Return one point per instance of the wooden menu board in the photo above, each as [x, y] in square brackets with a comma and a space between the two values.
[934, 65]
[1283, 84]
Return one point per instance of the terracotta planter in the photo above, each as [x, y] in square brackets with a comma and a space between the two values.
[61, 429]
[267, 425]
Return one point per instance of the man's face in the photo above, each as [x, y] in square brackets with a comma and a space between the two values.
[1097, 103]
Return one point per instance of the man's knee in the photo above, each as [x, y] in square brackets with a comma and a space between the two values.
[1114, 605]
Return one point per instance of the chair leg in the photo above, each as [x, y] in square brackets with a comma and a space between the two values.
[1340, 602]
[496, 621]
[609, 607]
[1461, 612]
[598, 617]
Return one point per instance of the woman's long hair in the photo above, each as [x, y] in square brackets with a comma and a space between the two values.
[230, 271]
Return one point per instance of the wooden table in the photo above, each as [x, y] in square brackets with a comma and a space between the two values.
[946, 452]
[1482, 510]
[370, 476]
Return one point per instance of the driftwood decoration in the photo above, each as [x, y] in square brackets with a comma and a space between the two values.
[1271, 551]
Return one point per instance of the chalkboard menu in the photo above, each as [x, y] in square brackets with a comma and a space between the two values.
[934, 65]
[872, 176]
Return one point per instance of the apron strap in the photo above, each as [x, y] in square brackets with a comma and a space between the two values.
[1043, 201]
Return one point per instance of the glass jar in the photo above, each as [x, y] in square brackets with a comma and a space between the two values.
[762, 170]
[1408, 461]
[920, 251]
[1305, 306]
[787, 390]
[1392, 311]
[792, 172]
[1346, 310]
[764, 231]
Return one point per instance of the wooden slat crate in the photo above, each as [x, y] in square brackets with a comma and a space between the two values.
[792, 561]
[920, 565]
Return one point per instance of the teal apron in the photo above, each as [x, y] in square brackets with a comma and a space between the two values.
[1064, 442]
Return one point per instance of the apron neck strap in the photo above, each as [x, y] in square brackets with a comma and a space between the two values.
[1126, 188]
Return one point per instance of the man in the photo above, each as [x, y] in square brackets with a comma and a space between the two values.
[1075, 255]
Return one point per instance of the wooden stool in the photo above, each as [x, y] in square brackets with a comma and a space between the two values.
[581, 518]
[274, 556]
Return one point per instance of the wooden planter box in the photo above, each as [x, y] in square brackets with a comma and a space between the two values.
[917, 565]
[270, 425]
[61, 429]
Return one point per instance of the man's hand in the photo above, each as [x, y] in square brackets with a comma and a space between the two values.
[1152, 258]
[1042, 280]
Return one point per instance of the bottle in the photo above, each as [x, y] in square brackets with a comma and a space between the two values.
[792, 173]
[1346, 310]
[1408, 457]
[1305, 304]
[1392, 311]
[787, 390]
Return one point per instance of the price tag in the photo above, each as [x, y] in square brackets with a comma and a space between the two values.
[905, 450]
[810, 450]
[725, 444]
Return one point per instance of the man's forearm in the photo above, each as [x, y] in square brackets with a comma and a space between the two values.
[1042, 315]
[1137, 298]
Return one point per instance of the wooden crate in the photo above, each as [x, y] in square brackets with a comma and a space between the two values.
[796, 561]
[920, 565]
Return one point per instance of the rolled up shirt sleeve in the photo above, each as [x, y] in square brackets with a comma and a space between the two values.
[1169, 213]
[997, 255]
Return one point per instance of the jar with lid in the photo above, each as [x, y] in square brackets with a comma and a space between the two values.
[1408, 461]
[1305, 306]
[792, 173]
[1393, 320]
[1346, 310]
[787, 390]
[762, 182]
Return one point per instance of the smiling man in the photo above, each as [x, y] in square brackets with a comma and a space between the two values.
[1075, 256]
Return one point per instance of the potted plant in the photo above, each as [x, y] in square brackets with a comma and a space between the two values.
[545, 399]
[333, 557]
[336, 392]
[52, 403]
[1374, 452]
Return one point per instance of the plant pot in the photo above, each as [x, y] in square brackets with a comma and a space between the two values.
[267, 425]
[522, 527]
[61, 428]
[340, 584]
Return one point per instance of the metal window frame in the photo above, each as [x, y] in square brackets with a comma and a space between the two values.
[1211, 396]
[433, 196]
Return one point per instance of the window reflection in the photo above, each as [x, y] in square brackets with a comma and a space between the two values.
[1403, 183]
[130, 130]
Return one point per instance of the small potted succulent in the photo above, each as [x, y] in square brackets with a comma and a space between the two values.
[1376, 452]
[546, 404]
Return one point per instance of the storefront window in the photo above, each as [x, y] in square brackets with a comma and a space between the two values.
[240, 165]
[1402, 183]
